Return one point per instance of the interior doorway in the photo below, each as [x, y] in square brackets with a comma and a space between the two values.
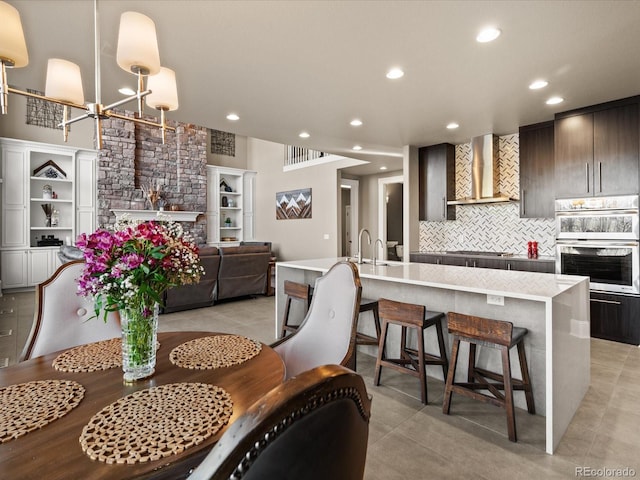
[390, 217]
[349, 215]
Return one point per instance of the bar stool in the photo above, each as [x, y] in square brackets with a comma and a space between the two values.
[496, 334]
[411, 361]
[368, 305]
[300, 292]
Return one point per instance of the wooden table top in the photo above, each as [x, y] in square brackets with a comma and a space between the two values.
[54, 452]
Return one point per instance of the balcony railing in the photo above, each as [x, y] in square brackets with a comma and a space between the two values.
[298, 155]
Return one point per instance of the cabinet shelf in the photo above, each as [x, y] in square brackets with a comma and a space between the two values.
[51, 228]
[52, 180]
[24, 263]
[51, 200]
[237, 205]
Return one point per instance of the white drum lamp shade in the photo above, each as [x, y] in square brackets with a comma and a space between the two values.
[138, 44]
[164, 91]
[13, 48]
[64, 81]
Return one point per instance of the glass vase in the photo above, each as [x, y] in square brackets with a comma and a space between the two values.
[139, 335]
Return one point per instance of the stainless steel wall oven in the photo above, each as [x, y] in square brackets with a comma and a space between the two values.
[598, 238]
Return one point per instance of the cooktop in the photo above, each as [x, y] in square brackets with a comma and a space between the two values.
[476, 252]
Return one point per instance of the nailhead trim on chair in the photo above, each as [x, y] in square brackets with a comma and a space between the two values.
[280, 427]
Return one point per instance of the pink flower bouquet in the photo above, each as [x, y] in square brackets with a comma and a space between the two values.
[129, 268]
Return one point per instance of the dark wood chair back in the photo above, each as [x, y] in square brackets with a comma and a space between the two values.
[314, 426]
[301, 291]
[478, 328]
[402, 313]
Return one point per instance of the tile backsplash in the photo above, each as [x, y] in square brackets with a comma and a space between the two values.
[489, 227]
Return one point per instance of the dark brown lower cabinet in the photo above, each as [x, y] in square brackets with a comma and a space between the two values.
[454, 260]
[425, 258]
[481, 262]
[615, 317]
[540, 266]
[500, 263]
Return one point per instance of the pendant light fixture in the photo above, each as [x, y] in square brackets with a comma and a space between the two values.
[137, 53]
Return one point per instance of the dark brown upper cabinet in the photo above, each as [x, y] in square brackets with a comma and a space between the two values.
[597, 150]
[437, 182]
[537, 170]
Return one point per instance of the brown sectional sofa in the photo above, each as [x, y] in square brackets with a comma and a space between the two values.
[198, 295]
[243, 271]
[229, 272]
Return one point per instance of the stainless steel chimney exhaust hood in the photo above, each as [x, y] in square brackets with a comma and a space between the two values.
[485, 181]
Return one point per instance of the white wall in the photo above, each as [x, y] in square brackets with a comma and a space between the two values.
[238, 161]
[294, 239]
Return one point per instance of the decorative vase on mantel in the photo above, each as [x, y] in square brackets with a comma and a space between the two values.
[139, 337]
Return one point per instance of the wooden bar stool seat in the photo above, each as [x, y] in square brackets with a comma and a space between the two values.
[300, 292]
[411, 361]
[496, 334]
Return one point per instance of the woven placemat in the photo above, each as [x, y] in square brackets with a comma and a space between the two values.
[214, 352]
[28, 406]
[91, 357]
[155, 423]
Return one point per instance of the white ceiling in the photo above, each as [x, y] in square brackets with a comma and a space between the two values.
[288, 66]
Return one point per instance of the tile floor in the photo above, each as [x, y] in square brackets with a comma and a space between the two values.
[411, 440]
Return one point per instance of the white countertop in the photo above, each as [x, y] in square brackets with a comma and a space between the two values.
[507, 283]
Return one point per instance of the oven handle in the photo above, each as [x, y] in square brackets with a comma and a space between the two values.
[613, 302]
[592, 213]
[595, 243]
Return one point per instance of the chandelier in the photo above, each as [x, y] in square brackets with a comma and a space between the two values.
[137, 53]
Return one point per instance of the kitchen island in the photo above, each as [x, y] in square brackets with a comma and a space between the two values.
[554, 308]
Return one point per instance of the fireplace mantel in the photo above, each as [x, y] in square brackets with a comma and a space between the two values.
[176, 216]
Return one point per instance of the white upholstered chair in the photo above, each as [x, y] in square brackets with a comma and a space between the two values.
[63, 318]
[327, 333]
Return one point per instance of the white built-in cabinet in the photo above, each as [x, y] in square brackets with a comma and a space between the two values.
[230, 205]
[23, 262]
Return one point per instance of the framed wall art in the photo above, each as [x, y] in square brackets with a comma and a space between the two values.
[294, 204]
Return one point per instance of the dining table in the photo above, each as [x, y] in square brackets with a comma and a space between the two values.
[55, 451]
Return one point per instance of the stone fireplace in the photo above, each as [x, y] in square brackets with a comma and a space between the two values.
[133, 156]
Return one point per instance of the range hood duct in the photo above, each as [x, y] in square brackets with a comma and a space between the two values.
[485, 179]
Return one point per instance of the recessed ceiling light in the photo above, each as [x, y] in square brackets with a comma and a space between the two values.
[395, 73]
[233, 116]
[357, 147]
[127, 91]
[355, 122]
[538, 84]
[555, 100]
[383, 168]
[488, 35]
[452, 125]
[304, 135]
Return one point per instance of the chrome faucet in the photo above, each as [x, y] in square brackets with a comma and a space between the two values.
[364, 230]
[375, 250]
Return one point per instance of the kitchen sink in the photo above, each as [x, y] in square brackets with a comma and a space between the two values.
[368, 261]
